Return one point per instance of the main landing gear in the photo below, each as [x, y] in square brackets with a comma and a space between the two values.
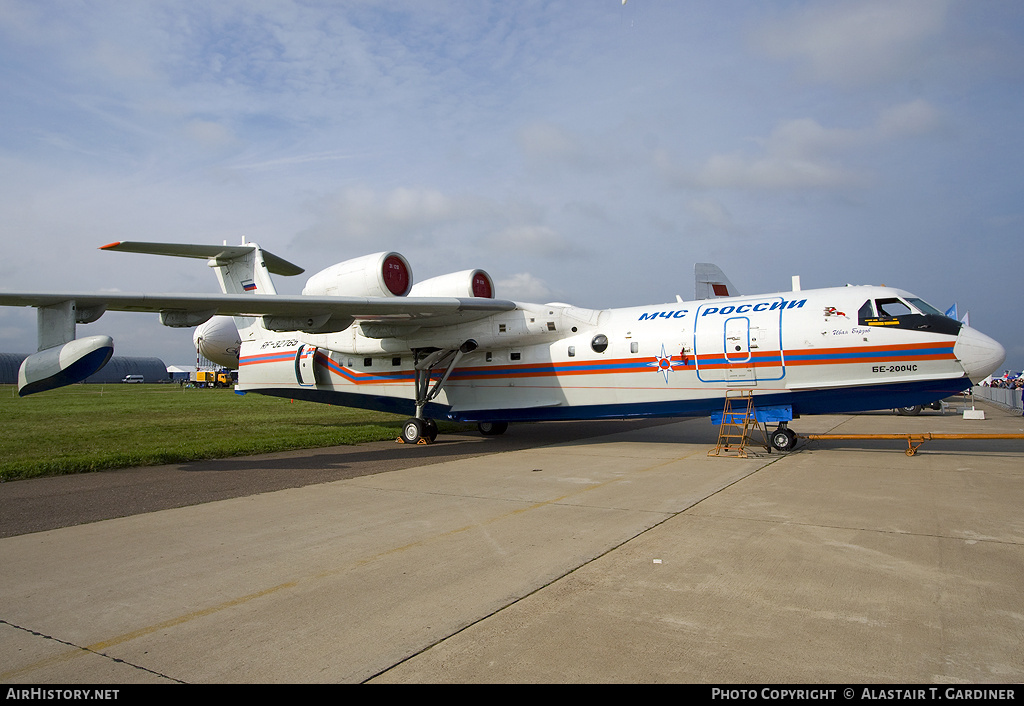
[416, 431]
[419, 429]
[492, 428]
[783, 438]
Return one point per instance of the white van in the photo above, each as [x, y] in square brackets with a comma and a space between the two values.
[133, 378]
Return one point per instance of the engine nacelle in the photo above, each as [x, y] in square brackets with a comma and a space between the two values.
[218, 341]
[468, 283]
[65, 364]
[385, 274]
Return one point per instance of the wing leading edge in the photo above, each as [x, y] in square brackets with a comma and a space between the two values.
[248, 294]
[424, 311]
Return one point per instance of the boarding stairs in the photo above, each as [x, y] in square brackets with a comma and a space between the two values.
[739, 423]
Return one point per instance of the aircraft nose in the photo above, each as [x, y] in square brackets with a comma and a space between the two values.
[979, 355]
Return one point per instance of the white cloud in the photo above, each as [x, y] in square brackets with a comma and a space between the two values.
[711, 212]
[432, 224]
[365, 215]
[293, 160]
[775, 171]
[545, 143]
[522, 287]
[123, 63]
[855, 42]
[803, 154]
[916, 117]
[531, 241]
[210, 134]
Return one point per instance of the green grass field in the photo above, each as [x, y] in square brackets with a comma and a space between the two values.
[94, 427]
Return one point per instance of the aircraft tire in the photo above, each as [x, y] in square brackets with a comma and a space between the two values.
[783, 439]
[492, 428]
[413, 430]
[430, 429]
[911, 411]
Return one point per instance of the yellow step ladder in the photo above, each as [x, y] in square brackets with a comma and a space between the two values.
[735, 431]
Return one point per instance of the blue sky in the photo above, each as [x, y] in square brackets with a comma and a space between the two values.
[583, 151]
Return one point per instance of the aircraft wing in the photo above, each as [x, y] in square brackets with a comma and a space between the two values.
[303, 311]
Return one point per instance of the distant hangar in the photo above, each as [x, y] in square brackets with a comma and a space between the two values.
[151, 369]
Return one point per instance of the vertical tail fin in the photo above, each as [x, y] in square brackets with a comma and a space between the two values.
[711, 282]
[245, 273]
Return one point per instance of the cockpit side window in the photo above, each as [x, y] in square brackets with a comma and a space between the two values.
[866, 312]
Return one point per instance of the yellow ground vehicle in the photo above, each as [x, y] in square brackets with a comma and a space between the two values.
[213, 378]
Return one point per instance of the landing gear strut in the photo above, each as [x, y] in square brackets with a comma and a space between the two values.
[419, 429]
[783, 438]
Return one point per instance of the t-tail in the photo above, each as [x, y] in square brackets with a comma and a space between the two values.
[240, 269]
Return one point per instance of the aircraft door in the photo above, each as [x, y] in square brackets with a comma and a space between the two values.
[305, 365]
[736, 346]
[737, 339]
[739, 343]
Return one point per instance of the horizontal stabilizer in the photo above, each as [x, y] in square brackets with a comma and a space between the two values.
[220, 253]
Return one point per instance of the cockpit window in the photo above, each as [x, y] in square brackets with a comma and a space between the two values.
[892, 308]
[866, 312]
[917, 315]
[924, 306]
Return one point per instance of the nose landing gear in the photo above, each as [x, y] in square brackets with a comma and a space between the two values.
[783, 438]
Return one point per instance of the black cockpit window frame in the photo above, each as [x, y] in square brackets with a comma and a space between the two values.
[911, 314]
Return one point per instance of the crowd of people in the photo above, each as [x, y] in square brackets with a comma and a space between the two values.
[1008, 380]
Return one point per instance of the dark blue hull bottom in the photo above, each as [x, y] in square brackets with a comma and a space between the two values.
[851, 399]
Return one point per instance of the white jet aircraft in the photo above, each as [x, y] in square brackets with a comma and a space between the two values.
[362, 335]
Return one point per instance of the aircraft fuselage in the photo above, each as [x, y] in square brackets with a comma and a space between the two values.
[804, 352]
